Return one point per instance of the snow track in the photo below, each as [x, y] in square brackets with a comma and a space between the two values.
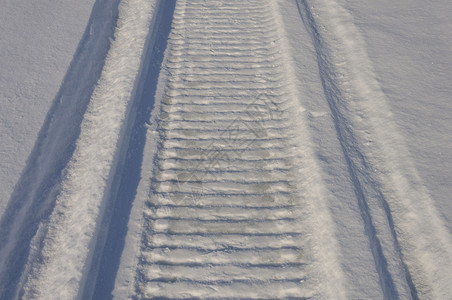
[225, 216]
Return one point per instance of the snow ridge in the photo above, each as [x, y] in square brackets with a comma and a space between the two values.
[79, 207]
[325, 243]
[409, 239]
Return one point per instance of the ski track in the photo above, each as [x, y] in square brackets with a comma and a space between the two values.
[230, 203]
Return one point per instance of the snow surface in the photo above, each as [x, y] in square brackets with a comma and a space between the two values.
[357, 102]
[331, 130]
[409, 43]
[38, 42]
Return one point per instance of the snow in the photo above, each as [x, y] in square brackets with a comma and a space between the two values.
[410, 46]
[225, 148]
[79, 205]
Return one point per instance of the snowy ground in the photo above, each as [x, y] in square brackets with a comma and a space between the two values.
[416, 37]
[225, 149]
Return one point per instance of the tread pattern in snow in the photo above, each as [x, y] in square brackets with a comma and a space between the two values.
[223, 218]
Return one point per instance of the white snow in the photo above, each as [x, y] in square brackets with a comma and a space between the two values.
[295, 148]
